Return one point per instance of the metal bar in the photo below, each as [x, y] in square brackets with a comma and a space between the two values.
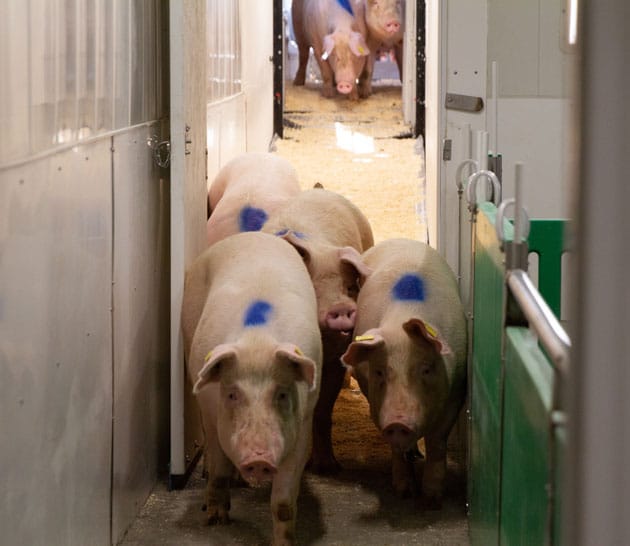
[540, 317]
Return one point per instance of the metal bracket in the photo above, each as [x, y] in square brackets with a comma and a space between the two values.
[187, 141]
[447, 150]
[467, 103]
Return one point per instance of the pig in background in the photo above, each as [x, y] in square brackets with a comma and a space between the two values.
[337, 37]
[385, 23]
[409, 357]
[246, 190]
[330, 233]
[254, 355]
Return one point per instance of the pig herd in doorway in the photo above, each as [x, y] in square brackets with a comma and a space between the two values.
[291, 295]
[346, 37]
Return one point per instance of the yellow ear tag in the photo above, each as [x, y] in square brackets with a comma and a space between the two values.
[361, 50]
[430, 330]
[298, 352]
[364, 338]
[207, 357]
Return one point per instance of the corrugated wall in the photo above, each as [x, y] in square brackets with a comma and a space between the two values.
[83, 269]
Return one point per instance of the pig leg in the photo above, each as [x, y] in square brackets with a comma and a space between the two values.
[398, 50]
[220, 470]
[434, 472]
[365, 80]
[328, 78]
[323, 459]
[403, 480]
[302, 42]
[284, 493]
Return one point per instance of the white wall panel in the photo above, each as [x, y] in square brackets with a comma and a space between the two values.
[56, 349]
[141, 328]
[14, 114]
[77, 69]
[256, 32]
[534, 131]
[227, 135]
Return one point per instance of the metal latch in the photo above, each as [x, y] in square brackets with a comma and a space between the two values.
[161, 151]
[466, 103]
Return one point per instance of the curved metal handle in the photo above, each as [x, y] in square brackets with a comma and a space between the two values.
[471, 190]
[460, 168]
[500, 218]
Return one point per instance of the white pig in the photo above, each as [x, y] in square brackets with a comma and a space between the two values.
[337, 37]
[329, 232]
[254, 356]
[246, 190]
[385, 22]
[409, 356]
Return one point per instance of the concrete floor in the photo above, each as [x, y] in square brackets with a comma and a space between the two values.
[357, 506]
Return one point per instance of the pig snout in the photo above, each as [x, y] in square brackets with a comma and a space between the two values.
[392, 27]
[399, 435]
[344, 88]
[341, 317]
[257, 471]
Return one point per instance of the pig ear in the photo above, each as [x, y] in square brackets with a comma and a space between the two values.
[329, 45]
[296, 239]
[351, 256]
[303, 366]
[417, 328]
[215, 362]
[358, 45]
[361, 347]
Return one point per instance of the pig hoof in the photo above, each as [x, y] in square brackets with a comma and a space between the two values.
[218, 517]
[431, 503]
[328, 93]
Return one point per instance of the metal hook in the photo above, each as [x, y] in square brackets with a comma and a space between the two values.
[500, 219]
[471, 190]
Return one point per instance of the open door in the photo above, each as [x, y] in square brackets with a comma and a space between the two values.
[187, 42]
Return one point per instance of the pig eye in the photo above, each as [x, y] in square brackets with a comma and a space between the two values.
[233, 396]
[282, 397]
[353, 290]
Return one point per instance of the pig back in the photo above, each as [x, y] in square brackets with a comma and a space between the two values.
[320, 17]
[231, 275]
[324, 216]
[440, 304]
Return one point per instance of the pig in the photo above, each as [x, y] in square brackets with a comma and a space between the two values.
[330, 233]
[409, 357]
[246, 190]
[254, 356]
[385, 23]
[337, 37]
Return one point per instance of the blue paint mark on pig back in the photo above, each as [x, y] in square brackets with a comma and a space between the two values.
[345, 4]
[251, 219]
[257, 314]
[409, 287]
[284, 231]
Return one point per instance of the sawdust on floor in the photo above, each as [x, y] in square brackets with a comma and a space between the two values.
[361, 149]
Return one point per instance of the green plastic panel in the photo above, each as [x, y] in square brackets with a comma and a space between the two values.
[526, 460]
[546, 238]
[485, 385]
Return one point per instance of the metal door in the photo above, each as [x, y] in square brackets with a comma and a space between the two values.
[187, 27]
